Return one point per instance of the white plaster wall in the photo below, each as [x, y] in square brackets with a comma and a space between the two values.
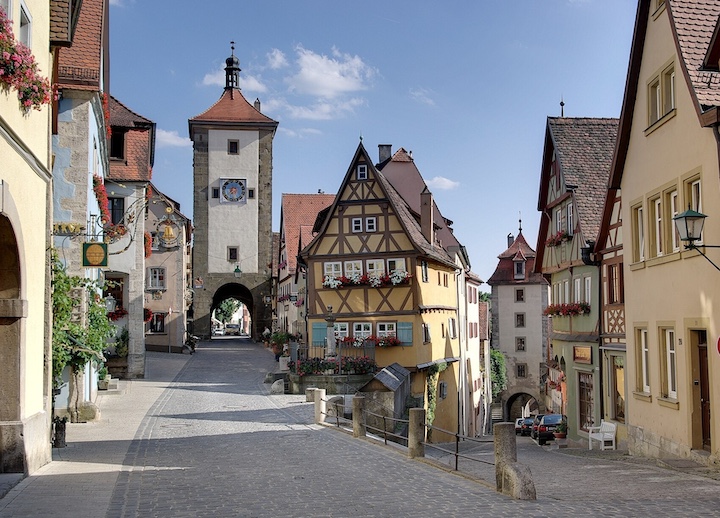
[233, 224]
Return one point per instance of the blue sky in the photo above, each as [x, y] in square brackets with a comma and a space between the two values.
[465, 85]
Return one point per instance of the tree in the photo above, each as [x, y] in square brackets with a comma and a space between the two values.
[484, 296]
[498, 372]
[226, 309]
[74, 344]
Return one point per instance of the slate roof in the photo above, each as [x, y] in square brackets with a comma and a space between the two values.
[695, 23]
[584, 148]
[393, 376]
[299, 212]
[505, 270]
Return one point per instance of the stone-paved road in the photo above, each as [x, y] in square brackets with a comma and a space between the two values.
[201, 436]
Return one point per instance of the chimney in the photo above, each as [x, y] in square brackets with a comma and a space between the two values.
[427, 222]
[384, 151]
[257, 104]
[511, 239]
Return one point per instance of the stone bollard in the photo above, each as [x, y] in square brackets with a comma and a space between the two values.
[358, 416]
[416, 433]
[511, 478]
[310, 394]
[320, 406]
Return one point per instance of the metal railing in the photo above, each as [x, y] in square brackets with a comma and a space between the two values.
[338, 415]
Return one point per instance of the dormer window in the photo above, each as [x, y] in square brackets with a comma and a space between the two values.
[519, 269]
[361, 173]
[117, 144]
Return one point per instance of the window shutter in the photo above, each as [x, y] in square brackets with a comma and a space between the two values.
[319, 333]
[405, 333]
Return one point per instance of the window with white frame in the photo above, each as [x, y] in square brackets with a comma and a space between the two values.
[25, 35]
[426, 333]
[452, 328]
[353, 268]
[570, 219]
[657, 230]
[695, 199]
[362, 329]
[386, 329]
[670, 367]
[357, 225]
[577, 290]
[638, 227]
[558, 220]
[332, 269]
[371, 224]
[672, 204]
[661, 95]
[7, 7]
[396, 265]
[588, 289]
[566, 291]
[424, 271]
[375, 267]
[341, 330]
[156, 278]
[643, 360]
[361, 172]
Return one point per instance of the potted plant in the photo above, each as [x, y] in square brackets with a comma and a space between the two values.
[561, 430]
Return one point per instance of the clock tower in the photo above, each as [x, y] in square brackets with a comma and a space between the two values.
[232, 206]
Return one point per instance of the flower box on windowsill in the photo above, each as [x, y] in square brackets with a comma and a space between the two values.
[568, 310]
[558, 238]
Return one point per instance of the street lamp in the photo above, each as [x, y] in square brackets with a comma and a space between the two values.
[689, 225]
[237, 271]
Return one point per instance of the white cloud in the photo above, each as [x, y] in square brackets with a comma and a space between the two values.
[300, 132]
[276, 59]
[443, 184]
[423, 96]
[247, 82]
[165, 138]
[329, 77]
[320, 110]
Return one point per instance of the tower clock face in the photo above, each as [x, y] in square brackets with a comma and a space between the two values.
[232, 190]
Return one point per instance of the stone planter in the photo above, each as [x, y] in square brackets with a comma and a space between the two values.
[104, 383]
[117, 367]
[332, 383]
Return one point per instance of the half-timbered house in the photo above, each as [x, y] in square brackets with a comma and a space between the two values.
[609, 251]
[573, 185]
[377, 270]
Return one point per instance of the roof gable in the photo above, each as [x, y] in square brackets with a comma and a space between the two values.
[298, 212]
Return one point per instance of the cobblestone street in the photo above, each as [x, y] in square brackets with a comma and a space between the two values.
[201, 436]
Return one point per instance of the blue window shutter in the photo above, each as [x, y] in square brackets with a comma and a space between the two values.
[405, 333]
[319, 332]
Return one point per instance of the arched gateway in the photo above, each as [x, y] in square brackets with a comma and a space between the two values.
[232, 206]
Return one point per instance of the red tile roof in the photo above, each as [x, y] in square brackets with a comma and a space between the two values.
[79, 66]
[298, 213]
[139, 144]
[232, 108]
[505, 271]
[695, 23]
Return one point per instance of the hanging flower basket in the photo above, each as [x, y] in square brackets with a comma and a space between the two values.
[147, 315]
[117, 314]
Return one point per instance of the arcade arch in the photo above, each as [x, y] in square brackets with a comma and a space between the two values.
[521, 405]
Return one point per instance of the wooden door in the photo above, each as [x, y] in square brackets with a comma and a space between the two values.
[704, 396]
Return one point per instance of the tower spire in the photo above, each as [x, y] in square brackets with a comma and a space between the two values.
[232, 70]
